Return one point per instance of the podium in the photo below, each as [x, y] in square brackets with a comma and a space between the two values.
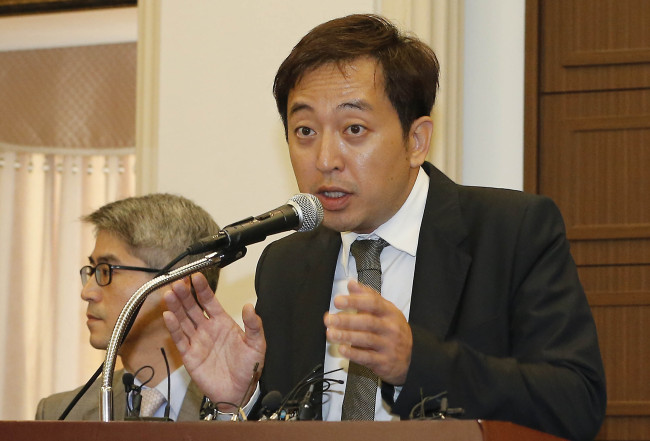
[439, 430]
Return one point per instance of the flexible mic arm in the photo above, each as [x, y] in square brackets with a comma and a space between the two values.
[106, 392]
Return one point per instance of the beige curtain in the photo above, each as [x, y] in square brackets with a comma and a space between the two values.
[67, 122]
[439, 23]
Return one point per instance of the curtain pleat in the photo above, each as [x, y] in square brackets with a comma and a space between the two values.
[67, 136]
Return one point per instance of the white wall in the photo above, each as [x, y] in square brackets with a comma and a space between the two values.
[221, 142]
[493, 104]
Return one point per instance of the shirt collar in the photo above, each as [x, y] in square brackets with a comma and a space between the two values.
[403, 229]
[180, 380]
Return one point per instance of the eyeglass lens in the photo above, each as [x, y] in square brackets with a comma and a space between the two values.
[102, 274]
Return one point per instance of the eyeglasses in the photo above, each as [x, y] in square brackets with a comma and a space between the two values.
[104, 272]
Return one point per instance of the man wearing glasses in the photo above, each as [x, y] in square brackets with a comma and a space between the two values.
[134, 239]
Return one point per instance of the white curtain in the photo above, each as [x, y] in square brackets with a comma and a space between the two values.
[440, 24]
[67, 131]
[43, 338]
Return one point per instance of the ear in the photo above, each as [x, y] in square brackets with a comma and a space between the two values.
[419, 140]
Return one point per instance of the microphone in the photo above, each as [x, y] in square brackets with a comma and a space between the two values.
[305, 408]
[293, 409]
[128, 381]
[270, 404]
[132, 405]
[303, 212]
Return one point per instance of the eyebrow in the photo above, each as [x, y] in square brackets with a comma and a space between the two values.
[106, 258]
[358, 104]
[297, 107]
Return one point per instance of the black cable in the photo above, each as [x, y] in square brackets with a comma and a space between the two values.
[92, 379]
[310, 379]
[298, 385]
[81, 392]
[423, 410]
[153, 372]
[136, 397]
[171, 264]
[169, 384]
[226, 259]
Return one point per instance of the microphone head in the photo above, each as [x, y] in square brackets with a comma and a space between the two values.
[272, 401]
[310, 210]
[128, 379]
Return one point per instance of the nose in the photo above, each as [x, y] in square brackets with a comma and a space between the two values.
[330, 156]
[91, 292]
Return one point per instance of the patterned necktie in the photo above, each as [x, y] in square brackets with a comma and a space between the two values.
[361, 386]
[152, 399]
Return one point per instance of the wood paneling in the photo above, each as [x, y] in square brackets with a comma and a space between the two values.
[625, 428]
[595, 160]
[587, 146]
[589, 44]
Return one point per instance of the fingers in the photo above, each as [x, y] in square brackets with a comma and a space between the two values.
[254, 331]
[181, 302]
[371, 331]
[252, 321]
[361, 298]
[181, 328]
[184, 315]
[206, 296]
[363, 310]
[178, 336]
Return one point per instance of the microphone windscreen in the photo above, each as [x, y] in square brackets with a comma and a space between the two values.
[128, 379]
[310, 210]
[272, 401]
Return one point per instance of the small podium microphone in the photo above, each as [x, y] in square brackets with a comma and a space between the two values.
[303, 212]
[270, 404]
[133, 391]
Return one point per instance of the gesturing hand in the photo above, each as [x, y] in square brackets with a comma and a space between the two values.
[377, 335]
[217, 353]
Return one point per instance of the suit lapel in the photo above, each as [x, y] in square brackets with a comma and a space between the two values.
[119, 397]
[442, 265]
[313, 297]
[191, 406]
[91, 413]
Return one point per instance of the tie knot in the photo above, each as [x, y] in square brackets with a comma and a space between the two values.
[152, 399]
[366, 255]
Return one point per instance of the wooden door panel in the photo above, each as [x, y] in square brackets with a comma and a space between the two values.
[587, 146]
[595, 45]
[595, 162]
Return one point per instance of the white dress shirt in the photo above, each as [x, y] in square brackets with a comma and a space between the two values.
[398, 265]
[180, 380]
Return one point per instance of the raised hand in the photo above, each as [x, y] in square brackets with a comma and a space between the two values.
[217, 353]
[376, 335]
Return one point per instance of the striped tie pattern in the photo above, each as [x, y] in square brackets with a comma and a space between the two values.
[361, 386]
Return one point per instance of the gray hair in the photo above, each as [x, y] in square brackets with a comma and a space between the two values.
[157, 227]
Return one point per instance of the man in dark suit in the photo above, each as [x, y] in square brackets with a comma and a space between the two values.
[134, 239]
[479, 294]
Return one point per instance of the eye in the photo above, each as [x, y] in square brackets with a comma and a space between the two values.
[355, 129]
[304, 131]
[104, 270]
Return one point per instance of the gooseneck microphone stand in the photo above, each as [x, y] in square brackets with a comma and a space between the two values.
[220, 259]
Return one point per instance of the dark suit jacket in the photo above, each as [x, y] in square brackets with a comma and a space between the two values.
[87, 409]
[499, 318]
